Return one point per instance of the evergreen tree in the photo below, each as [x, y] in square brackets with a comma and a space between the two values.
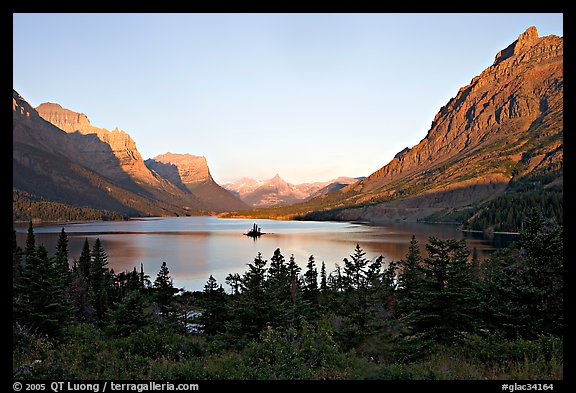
[61, 259]
[278, 277]
[254, 306]
[214, 313]
[41, 304]
[85, 260]
[30, 248]
[522, 293]
[165, 291]
[82, 295]
[409, 278]
[442, 303]
[323, 278]
[323, 292]
[235, 282]
[129, 315]
[310, 289]
[354, 269]
[100, 279]
[293, 275]
[16, 261]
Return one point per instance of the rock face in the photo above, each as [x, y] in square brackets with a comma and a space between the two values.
[507, 123]
[58, 155]
[48, 163]
[276, 191]
[191, 174]
[111, 153]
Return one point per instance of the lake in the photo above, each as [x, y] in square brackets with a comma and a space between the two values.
[196, 247]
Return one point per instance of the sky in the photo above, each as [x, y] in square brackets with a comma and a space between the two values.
[308, 96]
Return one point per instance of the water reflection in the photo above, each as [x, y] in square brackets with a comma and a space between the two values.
[195, 247]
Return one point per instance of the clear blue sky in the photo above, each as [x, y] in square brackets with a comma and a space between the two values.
[308, 96]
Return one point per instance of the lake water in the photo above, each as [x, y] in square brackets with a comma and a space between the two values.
[196, 247]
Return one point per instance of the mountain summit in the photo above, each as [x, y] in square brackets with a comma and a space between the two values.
[277, 191]
[60, 158]
[502, 129]
[191, 173]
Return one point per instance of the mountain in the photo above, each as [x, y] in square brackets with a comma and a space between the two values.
[48, 165]
[191, 174]
[112, 154]
[276, 191]
[502, 134]
[60, 159]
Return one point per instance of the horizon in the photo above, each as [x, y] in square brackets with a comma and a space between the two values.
[318, 90]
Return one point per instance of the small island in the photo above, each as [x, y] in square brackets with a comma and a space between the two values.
[255, 232]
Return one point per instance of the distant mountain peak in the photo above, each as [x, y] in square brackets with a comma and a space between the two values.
[526, 39]
[277, 191]
[191, 169]
[191, 173]
[507, 123]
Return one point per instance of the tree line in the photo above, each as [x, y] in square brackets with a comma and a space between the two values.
[27, 207]
[278, 320]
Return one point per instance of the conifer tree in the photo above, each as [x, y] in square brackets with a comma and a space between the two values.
[30, 248]
[85, 260]
[16, 261]
[522, 290]
[323, 278]
[100, 279]
[254, 308]
[310, 289]
[214, 314]
[442, 304]
[61, 259]
[165, 291]
[128, 315]
[42, 305]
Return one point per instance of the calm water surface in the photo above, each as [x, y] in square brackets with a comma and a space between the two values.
[196, 247]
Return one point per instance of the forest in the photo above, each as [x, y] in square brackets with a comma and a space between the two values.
[439, 313]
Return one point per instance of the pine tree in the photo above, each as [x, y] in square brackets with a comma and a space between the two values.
[128, 316]
[442, 303]
[61, 259]
[235, 282]
[255, 304]
[82, 294]
[354, 269]
[165, 291]
[323, 278]
[100, 279]
[85, 260]
[42, 305]
[293, 272]
[522, 292]
[214, 314]
[30, 248]
[278, 277]
[310, 289]
[409, 278]
[16, 261]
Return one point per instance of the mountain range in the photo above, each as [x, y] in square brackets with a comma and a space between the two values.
[276, 191]
[59, 156]
[502, 134]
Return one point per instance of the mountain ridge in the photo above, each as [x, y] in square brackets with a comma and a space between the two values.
[59, 156]
[503, 129]
[277, 191]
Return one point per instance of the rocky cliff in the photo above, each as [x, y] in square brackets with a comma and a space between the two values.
[111, 153]
[48, 164]
[191, 173]
[505, 125]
